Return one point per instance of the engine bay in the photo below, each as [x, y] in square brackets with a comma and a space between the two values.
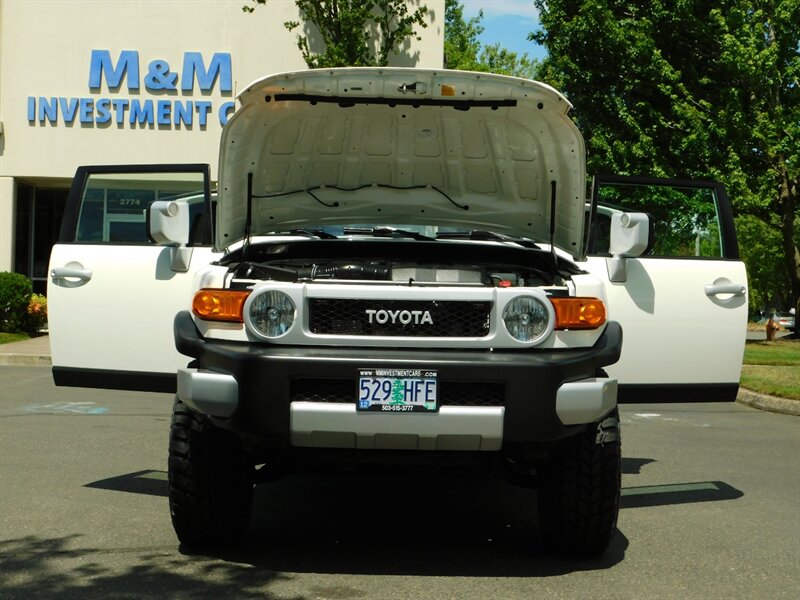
[392, 271]
[399, 262]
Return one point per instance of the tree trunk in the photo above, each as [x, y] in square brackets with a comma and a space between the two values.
[788, 211]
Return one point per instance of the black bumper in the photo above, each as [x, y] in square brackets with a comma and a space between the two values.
[530, 378]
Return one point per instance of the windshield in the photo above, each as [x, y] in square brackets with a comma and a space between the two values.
[410, 231]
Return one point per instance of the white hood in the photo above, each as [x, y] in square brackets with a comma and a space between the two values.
[402, 146]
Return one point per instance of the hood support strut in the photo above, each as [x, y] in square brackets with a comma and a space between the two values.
[553, 222]
[248, 225]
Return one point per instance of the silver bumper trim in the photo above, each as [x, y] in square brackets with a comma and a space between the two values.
[331, 425]
[585, 401]
[210, 393]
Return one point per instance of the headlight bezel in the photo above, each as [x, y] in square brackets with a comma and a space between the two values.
[547, 309]
[250, 320]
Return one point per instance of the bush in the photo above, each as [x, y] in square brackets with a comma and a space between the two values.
[37, 313]
[15, 297]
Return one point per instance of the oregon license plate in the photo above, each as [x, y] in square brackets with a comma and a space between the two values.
[397, 390]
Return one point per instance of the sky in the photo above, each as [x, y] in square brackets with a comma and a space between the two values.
[508, 22]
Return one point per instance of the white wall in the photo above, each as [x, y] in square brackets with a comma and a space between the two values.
[46, 48]
[6, 222]
[45, 51]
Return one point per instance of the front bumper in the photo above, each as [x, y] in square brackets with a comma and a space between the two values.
[250, 388]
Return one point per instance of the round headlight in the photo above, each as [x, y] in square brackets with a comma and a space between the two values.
[526, 318]
[271, 313]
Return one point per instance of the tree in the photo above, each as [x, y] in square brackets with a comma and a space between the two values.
[464, 51]
[700, 88]
[496, 59]
[354, 32]
[461, 43]
[760, 247]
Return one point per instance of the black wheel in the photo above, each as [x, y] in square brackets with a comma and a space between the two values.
[579, 487]
[210, 481]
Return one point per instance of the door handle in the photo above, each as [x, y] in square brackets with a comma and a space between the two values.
[713, 289]
[71, 273]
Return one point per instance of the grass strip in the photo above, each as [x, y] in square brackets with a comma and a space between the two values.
[5, 338]
[781, 381]
[772, 368]
[778, 353]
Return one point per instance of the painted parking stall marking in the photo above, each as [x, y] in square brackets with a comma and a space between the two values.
[73, 408]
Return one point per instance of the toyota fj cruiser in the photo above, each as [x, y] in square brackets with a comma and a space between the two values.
[397, 262]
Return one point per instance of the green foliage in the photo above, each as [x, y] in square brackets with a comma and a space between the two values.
[461, 44]
[464, 51]
[684, 221]
[760, 248]
[697, 88]
[354, 32]
[495, 59]
[15, 296]
[37, 313]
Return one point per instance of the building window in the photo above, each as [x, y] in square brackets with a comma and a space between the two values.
[38, 219]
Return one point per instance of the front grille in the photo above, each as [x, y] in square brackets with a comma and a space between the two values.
[451, 393]
[399, 318]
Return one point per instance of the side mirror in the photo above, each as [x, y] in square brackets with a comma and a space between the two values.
[630, 234]
[630, 237]
[168, 225]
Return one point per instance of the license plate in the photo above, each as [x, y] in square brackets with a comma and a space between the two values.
[397, 390]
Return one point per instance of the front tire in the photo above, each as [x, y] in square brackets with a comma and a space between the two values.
[578, 498]
[210, 480]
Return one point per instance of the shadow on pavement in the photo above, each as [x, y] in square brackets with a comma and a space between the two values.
[407, 523]
[678, 493]
[403, 524]
[633, 466]
[150, 483]
[35, 567]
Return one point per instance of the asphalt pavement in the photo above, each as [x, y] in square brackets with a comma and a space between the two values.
[709, 510]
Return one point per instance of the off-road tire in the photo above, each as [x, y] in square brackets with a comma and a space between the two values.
[210, 481]
[579, 488]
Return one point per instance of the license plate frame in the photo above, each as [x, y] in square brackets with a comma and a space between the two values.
[398, 391]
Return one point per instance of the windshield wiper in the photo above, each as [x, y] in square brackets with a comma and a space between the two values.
[317, 233]
[483, 235]
[390, 232]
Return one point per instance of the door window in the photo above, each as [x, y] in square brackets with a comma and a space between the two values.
[112, 205]
[687, 219]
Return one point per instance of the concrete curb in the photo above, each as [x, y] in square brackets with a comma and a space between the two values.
[24, 360]
[769, 403]
[30, 352]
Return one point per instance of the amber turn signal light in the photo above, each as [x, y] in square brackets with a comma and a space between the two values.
[579, 313]
[219, 305]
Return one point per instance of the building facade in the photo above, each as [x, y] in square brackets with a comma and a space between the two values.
[92, 82]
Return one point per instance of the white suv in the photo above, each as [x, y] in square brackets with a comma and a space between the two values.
[397, 262]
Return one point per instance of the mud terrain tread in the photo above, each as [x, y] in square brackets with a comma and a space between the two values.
[579, 492]
[210, 481]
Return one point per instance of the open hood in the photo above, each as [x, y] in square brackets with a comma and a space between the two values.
[402, 146]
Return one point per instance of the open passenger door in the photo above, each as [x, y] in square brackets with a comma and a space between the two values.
[683, 303]
[112, 293]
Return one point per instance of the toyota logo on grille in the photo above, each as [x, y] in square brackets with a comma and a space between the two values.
[404, 317]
